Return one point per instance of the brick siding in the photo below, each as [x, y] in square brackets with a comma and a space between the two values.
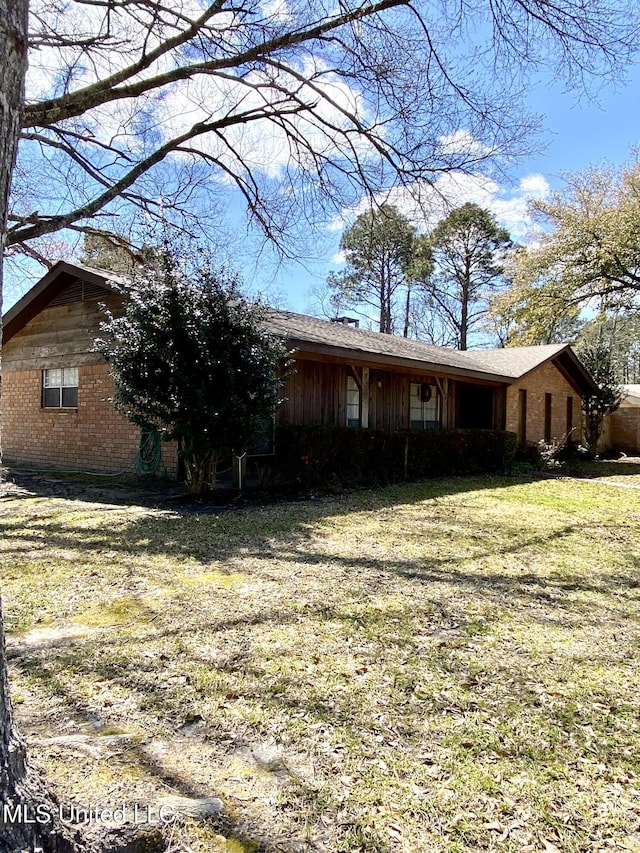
[546, 379]
[93, 437]
[624, 430]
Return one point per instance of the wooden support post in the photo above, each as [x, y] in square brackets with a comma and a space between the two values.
[443, 388]
[406, 457]
[239, 471]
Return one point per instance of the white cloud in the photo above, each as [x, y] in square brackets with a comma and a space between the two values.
[463, 142]
[277, 10]
[512, 206]
[120, 34]
[425, 205]
[535, 186]
[261, 144]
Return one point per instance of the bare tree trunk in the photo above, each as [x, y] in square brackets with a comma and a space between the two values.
[12, 757]
[28, 815]
[13, 66]
[22, 798]
[407, 312]
[464, 312]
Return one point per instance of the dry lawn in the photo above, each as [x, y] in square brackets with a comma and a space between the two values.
[448, 666]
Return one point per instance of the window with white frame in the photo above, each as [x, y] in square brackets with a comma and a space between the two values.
[423, 406]
[353, 402]
[60, 388]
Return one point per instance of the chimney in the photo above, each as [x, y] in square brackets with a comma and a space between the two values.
[347, 321]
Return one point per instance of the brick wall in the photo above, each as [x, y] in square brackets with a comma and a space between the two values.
[624, 430]
[547, 379]
[93, 437]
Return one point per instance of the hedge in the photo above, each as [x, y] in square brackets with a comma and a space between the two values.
[327, 457]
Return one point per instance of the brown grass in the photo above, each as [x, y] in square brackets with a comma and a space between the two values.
[447, 666]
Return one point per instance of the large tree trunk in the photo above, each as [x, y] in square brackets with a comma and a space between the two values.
[12, 758]
[13, 65]
[21, 794]
[27, 814]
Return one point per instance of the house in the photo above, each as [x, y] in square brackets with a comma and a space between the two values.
[56, 409]
[622, 427]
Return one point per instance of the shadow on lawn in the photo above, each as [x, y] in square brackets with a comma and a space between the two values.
[203, 531]
[284, 532]
[445, 637]
[596, 468]
[155, 493]
[479, 688]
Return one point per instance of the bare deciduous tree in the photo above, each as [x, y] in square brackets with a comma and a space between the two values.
[297, 104]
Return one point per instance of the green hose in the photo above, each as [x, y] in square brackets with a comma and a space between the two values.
[149, 456]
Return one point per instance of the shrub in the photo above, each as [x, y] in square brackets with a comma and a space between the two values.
[316, 456]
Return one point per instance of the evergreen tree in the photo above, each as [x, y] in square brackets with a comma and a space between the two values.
[468, 255]
[596, 357]
[191, 359]
[378, 250]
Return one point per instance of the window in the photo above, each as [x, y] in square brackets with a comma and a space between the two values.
[547, 418]
[423, 407]
[353, 403]
[522, 416]
[569, 416]
[60, 388]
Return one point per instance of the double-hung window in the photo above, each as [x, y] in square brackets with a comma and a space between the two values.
[60, 388]
[423, 407]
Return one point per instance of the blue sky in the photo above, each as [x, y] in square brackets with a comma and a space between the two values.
[577, 133]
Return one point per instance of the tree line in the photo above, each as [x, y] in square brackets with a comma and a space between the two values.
[437, 287]
[466, 283]
[156, 110]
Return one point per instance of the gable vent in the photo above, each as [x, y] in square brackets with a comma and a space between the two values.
[79, 291]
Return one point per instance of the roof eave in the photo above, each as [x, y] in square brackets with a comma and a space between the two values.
[42, 293]
[575, 372]
[352, 354]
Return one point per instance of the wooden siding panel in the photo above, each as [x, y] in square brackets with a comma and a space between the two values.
[66, 332]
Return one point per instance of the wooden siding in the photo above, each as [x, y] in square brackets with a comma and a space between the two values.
[64, 333]
[316, 394]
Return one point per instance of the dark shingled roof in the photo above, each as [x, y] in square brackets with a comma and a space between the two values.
[312, 334]
[302, 329]
[498, 365]
[514, 361]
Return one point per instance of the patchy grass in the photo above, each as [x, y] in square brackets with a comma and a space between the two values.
[624, 470]
[447, 666]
